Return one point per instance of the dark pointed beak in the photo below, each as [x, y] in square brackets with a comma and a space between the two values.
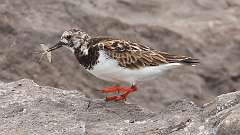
[56, 46]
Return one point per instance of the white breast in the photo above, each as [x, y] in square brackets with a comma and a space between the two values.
[109, 70]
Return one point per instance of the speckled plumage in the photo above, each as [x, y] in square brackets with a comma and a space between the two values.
[118, 60]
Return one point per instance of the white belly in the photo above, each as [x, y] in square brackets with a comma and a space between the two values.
[109, 70]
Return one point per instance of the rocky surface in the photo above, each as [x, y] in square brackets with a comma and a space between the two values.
[27, 108]
[208, 30]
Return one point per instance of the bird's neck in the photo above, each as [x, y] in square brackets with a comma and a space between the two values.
[87, 57]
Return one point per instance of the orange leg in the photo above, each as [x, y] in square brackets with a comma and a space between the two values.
[116, 89]
[127, 91]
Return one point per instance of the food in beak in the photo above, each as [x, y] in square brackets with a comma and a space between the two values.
[46, 51]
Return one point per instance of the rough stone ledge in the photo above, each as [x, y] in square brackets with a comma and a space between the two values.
[27, 108]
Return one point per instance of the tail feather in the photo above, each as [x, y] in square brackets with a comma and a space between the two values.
[189, 61]
[170, 58]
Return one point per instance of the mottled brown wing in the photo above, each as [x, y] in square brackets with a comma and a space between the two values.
[131, 55]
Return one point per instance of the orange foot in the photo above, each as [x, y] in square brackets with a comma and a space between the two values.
[127, 91]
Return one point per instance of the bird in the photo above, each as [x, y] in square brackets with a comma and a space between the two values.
[117, 60]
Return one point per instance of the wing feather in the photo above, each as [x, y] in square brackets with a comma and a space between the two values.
[133, 55]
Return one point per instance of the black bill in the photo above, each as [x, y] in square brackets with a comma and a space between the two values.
[56, 46]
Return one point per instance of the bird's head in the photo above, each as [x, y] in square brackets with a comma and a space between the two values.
[73, 39]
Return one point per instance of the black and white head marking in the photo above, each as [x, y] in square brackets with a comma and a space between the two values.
[76, 39]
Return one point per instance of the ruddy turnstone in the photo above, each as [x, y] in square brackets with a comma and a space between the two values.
[118, 60]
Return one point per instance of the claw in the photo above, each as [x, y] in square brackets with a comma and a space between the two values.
[112, 98]
[127, 91]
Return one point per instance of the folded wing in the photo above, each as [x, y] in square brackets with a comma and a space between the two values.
[133, 55]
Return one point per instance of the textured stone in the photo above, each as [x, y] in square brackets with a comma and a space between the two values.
[27, 108]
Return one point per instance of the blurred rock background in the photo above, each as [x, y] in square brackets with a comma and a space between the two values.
[208, 30]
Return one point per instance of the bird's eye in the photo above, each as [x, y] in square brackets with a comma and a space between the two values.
[68, 37]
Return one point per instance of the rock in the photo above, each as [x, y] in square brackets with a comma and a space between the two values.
[225, 113]
[27, 108]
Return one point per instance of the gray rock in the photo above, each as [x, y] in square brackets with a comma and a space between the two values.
[27, 108]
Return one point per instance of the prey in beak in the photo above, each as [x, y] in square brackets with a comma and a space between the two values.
[47, 51]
